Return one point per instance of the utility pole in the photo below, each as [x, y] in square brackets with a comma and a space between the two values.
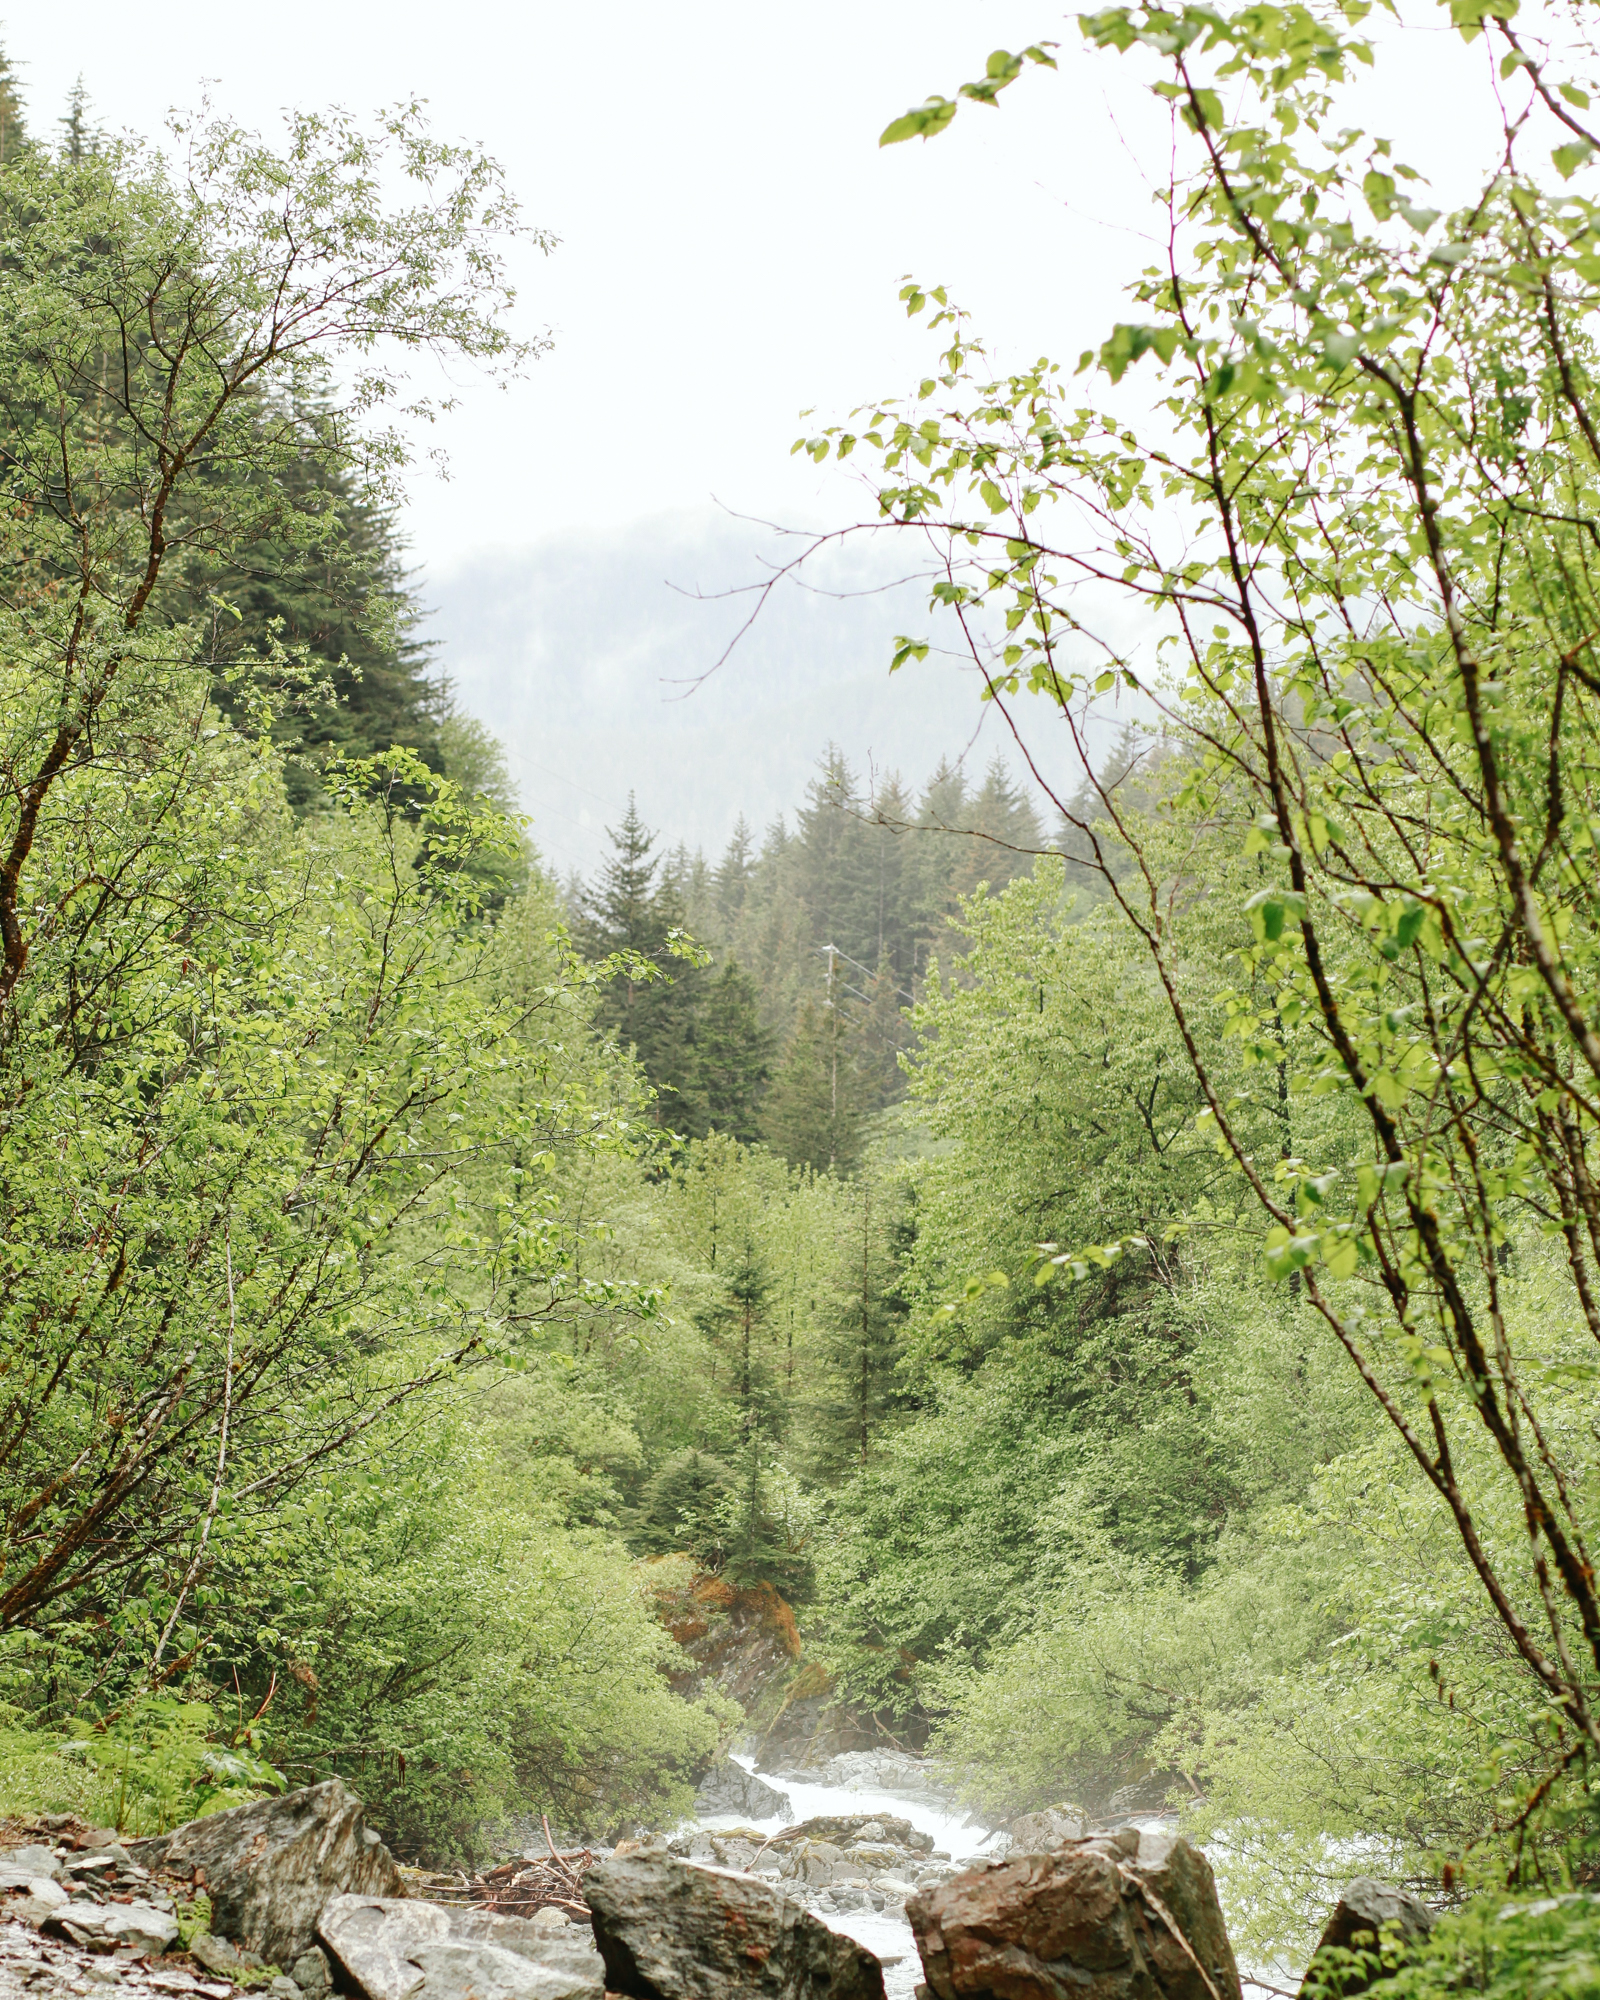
[833, 1046]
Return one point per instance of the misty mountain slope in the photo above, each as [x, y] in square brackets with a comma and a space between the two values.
[581, 654]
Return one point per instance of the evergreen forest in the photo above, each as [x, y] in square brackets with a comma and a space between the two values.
[1112, 1275]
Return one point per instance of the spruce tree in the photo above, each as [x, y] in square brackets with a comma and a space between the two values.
[881, 1031]
[1005, 833]
[632, 912]
[680, 1508]
[834, 876]
[867, 1322]
[80, 138]
[328, 576]
[13, 128]
[731, 882]
[814, 1114]
[887, 936]
[732, 1056]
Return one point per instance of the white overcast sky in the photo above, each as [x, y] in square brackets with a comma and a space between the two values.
[731, 236]
[732, 240]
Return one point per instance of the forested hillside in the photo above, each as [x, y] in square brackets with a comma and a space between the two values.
[1109, 1278]
[790, 1025]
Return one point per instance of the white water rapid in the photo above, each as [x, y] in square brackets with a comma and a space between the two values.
[953, 1830]
[956, 1835]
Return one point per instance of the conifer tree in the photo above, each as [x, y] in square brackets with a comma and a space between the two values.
[80, 138]
[13, 128]
[887, 935]
[732, 1055]
[881, 1032]
[328, 576]
[732, 880]
[680, 1508]
[632, 912]
[687, 882]
[814, 1113]
[863, 1342]
[834, 877]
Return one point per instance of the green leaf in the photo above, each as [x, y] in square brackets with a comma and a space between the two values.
[1129, 343]
[1469, 15]
[1341, 1255]
[1410, 925]
[1342, 348]
[1568, 159]
[907, 649]
[922, 122]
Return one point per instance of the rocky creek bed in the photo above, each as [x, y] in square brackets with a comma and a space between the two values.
[298, 1898]
[849, 1840]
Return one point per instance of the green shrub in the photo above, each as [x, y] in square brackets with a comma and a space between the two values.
[162, 1767]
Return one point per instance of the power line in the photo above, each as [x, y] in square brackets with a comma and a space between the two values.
[833, 951]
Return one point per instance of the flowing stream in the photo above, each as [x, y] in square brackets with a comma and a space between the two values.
[954, 1833]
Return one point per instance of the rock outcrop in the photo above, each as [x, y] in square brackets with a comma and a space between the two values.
[271, 1868]
[1038, 1832]
[728, 1788]
[1364, 1910]
[408, 1950]
[22, 1867]
[1127, 1916]
[670, 1931]
[875, 1828]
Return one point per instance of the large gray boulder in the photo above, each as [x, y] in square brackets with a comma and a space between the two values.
[411, 1950]
[728, 1788]
[1127, 1916]
[271, 1868]
[669, 1931]
[1364, 1911]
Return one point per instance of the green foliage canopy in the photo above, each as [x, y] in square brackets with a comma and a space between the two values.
[1359, 523]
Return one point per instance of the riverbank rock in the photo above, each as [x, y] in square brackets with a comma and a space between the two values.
[670, 1931]
[271, 1868]
[82, 1890]
[138, 1927]
[1038, 1832]
[21, 1867]
[1127, 1916]
[47, 1968]
[877, 1828]
[410, 1950]
[728, 1788]
[1364, 1908]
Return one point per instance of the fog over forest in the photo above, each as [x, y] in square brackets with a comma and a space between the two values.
[582, 653]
